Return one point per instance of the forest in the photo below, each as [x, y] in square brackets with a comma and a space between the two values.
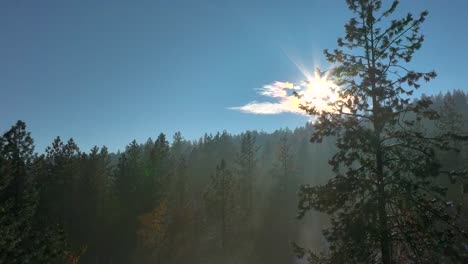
[376, 177]
[222, 199]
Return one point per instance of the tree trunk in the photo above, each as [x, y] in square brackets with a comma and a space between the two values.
[385, 245]
[223, 217]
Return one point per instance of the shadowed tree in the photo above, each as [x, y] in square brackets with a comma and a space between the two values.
[95, 192]
[23, 239]
[153, 185]
[278, 214]
[179, 173]
[127, 177]
[246, 168]
[62, 169]
[284, 169]
[384, 204]
[219, 199]
[59, 196]
[18, 194]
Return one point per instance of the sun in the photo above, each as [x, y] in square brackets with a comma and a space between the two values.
[318, 91]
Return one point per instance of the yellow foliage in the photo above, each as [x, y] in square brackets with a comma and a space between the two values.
[153, 227]
[73, 257]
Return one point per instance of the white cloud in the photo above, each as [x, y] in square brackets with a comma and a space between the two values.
[276, 90]
[284, 101]
[266, 108]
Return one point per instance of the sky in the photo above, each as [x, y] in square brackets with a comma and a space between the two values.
[106, 72]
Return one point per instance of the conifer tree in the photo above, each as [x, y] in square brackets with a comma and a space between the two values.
[153, 183]
[284, 169]
[219, 199]
[384, 204]
[18, 193]
[127, 177]
[95, 191]
[180, 182]
[22, 238]
[246, 165]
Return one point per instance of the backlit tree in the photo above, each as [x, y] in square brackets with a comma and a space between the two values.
[384, 204]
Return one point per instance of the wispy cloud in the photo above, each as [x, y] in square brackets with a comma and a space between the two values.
[277, 89]
[281, 92]
[317, 91]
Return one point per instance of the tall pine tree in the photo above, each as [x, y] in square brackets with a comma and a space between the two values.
[246, 162]
[219, 198]
[384, 204]
[23, 239]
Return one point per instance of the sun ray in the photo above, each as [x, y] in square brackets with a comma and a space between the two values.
[316, 90]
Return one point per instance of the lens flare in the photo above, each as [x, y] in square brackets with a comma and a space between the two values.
[317, 90]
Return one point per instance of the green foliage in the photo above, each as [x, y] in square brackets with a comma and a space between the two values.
[278, 212]
[385, 206]
[285, 168]
[146, 204]
[219, 198]
[246, 161]
[22, 238]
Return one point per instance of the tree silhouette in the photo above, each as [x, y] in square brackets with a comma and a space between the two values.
[246, 162]
[219, 199]
[23, 238]
[384, 204]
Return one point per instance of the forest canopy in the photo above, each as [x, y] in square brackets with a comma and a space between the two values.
[222, 198]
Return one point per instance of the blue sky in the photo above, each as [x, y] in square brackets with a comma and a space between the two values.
[108, 72]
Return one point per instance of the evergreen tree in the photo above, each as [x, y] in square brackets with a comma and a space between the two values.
[384, 205]
[246, 161]
[180, 183]
[59, 189]
[128, 175]
[96, 196]
[284, 169]
[219, 199]
[278, 215]
[153, 185]
[147, 148]
[18, 194]
[22, 239]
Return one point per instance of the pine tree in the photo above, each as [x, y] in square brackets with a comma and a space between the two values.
[246, 162]
[219, 199]
[95, 191]
[128, 174]
[179, 171]
[18, 194]
[277, 227]
[450, 119]
[284, 169]
[59, 195]
[384, 204]
[22, 238]
[156, 181]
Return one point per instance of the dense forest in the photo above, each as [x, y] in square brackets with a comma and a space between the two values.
[378, 175]
[221, 199]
